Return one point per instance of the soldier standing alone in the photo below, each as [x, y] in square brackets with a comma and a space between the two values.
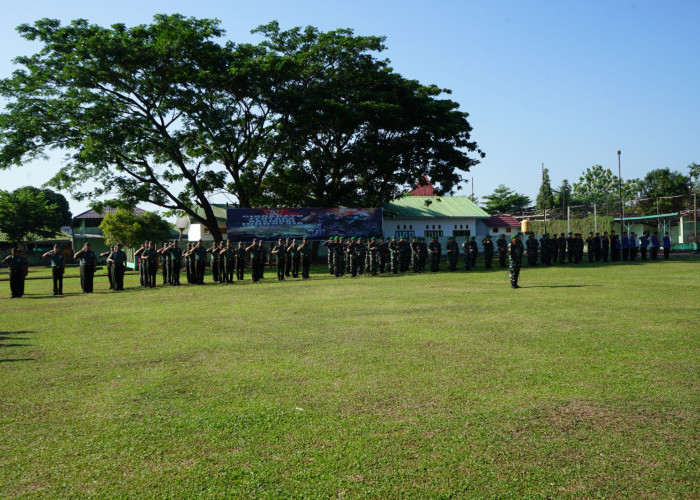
[516, 260]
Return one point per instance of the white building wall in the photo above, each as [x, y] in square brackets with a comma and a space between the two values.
[198, 232]
[392, 225]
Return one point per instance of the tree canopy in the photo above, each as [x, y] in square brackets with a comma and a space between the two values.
[504, 200]
[545, 197]
[661, 183]
[122, 226]
[165, 113]
[25, 211]
[597, 185]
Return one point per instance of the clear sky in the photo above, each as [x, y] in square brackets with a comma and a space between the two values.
[562, 83]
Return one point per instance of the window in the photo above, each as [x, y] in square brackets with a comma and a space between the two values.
[495, 230]
[398, 226]
[404, 226]
[410, 226]
[455, 226]
[431, 234]
[433, 226]
[508, 230]
[439, 226]
[427, 226]
[465, 233]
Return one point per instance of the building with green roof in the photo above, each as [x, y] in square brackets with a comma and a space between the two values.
[429, 216]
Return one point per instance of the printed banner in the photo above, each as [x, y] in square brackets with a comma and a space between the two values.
[270, 224]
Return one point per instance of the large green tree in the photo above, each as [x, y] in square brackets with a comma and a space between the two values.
[123, 226]
[504, 200]
[545, 196]
[694, 174]
[664, 189]
[166, 114]
[597, 185]
[26, 211]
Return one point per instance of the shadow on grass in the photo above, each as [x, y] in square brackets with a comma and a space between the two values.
[14, 336]
[557, 286]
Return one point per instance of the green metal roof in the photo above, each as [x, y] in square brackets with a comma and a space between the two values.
[219, 210]
[647, 217]
[433, 206]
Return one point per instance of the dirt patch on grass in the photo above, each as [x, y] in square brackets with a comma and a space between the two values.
[581, 414]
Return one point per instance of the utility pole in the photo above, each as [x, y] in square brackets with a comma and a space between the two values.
[544, 200]
[619, 184]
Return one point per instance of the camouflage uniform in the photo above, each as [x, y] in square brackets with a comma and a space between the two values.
[452, 254]
[488, 251]
[516, 259]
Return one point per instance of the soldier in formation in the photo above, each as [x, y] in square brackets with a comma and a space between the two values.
[58, 268]
[88, 263]
[487, 244]
[18, 271]
[502, 245]
[452, 254]
[118, 260]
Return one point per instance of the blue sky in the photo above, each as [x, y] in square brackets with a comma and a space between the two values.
[562, 83]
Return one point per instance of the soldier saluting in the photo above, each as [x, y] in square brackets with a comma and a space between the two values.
[18, 270]
[88, 263]
[58, 267]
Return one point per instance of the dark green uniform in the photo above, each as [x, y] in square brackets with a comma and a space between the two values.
[176, 263]
[516, 260]
[240, 263]
[488, 251]
[452, 254]
[295, 257]
[467, 255]
[502, 246]
[200, 264]
[305, 252]
[58, 267]
[435, 249]
[280, 251]
[118, 258]
[18, 270]
[87, 270]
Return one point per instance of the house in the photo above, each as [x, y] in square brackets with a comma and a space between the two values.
[497, 225]
[429, 216]
[85, 228]
[198, 231]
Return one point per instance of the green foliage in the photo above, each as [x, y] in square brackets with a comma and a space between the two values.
[582, 225]
[596, 185]
[662, 182]
[504, 200]
[122, 226]
[26, 211]
[694, 174]
[545, 196]
[166, 114]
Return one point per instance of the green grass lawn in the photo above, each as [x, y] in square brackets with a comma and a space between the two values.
[586, 382]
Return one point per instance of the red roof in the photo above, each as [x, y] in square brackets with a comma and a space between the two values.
[91, 214]
[426, 190]
[502, 221]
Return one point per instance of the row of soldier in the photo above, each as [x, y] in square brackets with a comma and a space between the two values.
[397, 255]
[599, 247]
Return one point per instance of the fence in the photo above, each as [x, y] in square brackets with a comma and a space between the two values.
[676, 215]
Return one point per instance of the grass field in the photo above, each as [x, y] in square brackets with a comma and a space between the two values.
[584, 383]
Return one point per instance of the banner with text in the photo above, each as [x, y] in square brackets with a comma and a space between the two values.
[270, 224]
